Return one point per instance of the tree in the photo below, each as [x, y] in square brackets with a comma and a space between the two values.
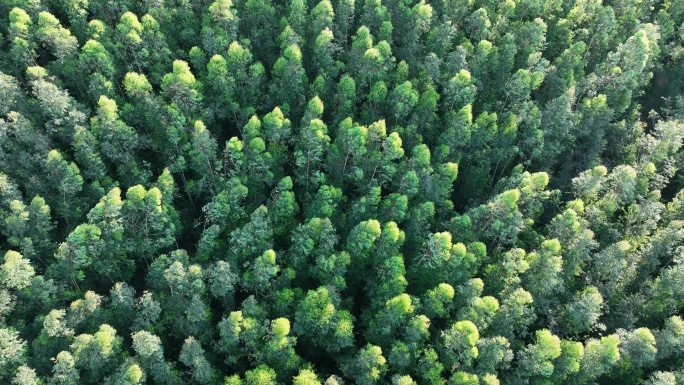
[148, 310]
[193, 356]
[662, 378]
[128, 373]
[310, 147]
[388, 321]
[378, 19]
[40, 226]
[220, 26]
[320, 322]
[83, 313]
[279, 352]
[368, 366]
[130, 44]
[452, 263]
[258, 277]
[54, 37]
[429, 368]
[25, 376]
[542, 279]
[501, 213]
[106, 215]
[277, 133]
[94, 353]
[387, 278]
[458, 344]
[16, 272]
[260, 28]
[63, 371]
[257, 161]
[249, 77]
[180, 87]
[181, 290]
[22, 46]
[87, 154]
[413, 23]
[148, 227]
[220, 87]
[494, 354]
[222, 280]
[69, 184]
[78, 253]
[599, 357]
[537, 359]
[404, 98]
[325, 61]
[229, 330]
[151, 354]
[582, 314]
[575, 237]
[249, 241]
[156, 45]
[203, 159]
[637, 346]
[262, 374]
[670, 337]
[283, 207]
[515, 314]
[313, 252]
[13, 349]
[360, 242]
[568, 362]
[96, 62]
[306, 377]
[61, 112]
[288, 74]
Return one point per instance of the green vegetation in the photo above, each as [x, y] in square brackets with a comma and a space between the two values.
[262, 192]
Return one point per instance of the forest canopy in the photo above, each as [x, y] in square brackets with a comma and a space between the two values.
[263, 192]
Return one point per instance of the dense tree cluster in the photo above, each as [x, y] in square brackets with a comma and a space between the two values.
[261, 192]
